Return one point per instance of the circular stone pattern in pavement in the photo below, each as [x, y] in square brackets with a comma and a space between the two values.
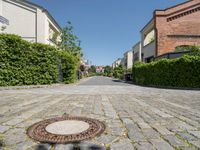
[65, 129]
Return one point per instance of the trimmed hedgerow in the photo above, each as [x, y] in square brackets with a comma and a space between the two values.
[180, 72]
[68, 66]
[25, 63]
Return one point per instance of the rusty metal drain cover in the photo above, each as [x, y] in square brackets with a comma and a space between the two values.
[65, 129]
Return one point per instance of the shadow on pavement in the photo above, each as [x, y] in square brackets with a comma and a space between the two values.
[117, 81]
[40, 147]
[75, 146]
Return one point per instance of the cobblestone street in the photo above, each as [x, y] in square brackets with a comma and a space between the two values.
[135, 117]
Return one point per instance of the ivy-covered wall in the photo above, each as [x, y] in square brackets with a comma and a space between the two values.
[25, 63]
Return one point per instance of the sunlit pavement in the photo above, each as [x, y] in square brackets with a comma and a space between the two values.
[135, 117]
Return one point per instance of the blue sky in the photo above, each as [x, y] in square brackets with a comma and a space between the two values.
[106, 28]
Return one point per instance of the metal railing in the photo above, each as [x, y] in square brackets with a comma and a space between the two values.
[172, 55]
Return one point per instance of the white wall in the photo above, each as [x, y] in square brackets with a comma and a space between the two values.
[149, 50]
[41, 26]
[148, 47]
[22, 20]
[28, 21]
[149, 37]
[1, 3]
[137, 51]
[129, 59]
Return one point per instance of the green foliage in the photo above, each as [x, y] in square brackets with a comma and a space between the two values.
[100, 74]
[180, 72]
[108, 70]
[69, 41]
[129, 70]
[69, 65]
[92, 70]
[118, 72]
[195, 50]
[25, 63]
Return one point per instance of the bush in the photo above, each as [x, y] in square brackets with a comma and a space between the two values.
[68, 66]
[25, 63]
[118, 72]
[180, 72]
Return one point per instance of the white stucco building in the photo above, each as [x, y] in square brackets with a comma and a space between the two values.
[28, 20]
[148, 44]
[128, 59]
[116, 63]
[136, 52]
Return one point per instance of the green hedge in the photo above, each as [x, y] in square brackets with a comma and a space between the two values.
[25, 63]
[180, 72]
[68, 66]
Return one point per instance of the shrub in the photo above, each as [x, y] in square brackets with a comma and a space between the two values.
[180, 72]
[68, 66]
[25, 63]
[118, 72]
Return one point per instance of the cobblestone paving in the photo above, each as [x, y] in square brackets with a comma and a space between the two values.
[135, 117]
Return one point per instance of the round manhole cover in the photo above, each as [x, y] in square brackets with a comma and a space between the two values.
[65, 129]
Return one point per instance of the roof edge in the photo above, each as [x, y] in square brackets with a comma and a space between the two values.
[147, 23]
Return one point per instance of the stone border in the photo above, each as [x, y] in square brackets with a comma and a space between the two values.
[166, 87]
[38, 131]
[29, 86]
[42, 86]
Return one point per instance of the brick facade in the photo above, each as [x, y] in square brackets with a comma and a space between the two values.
[176, 26]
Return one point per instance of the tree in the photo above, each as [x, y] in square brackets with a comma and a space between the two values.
[69, 41]
[118, 72]
[108, 70]
[92, 69]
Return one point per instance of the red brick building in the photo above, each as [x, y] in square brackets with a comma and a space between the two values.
[175, 26]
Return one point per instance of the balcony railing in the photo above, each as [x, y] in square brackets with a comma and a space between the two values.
[172, 55]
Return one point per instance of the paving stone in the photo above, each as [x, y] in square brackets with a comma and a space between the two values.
[130, 125]
[136, 136]
[185, 126]
[161, 144]
[144, 146]
[162, 130]
[188, 148]
[106, 139]
[24, 145]
[187, 136]
[174, 141]
[13, 121]
[123, 108]
[151, 134]
[14, 136]
[27, 123]
[195, 133]
[116, 131]
[123, 144]
[3, 128]
[196, 143]
[143, 125]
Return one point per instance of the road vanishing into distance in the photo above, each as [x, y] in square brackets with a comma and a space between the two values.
[136, 117]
